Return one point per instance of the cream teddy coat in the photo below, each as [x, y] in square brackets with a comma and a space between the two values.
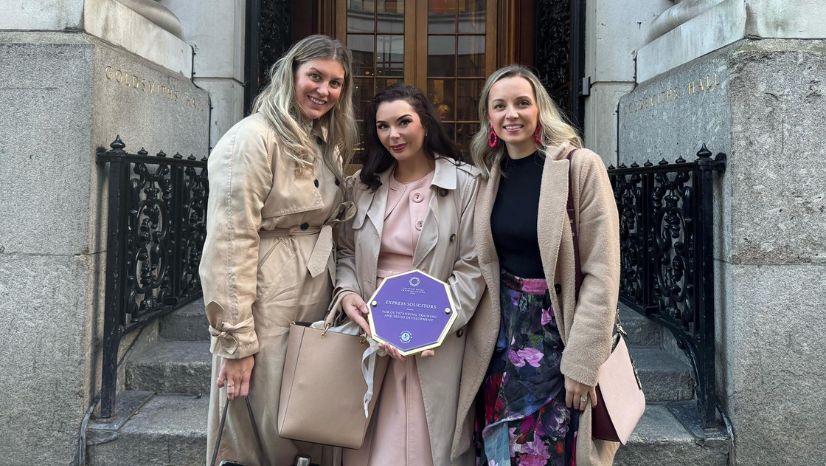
[584, 325]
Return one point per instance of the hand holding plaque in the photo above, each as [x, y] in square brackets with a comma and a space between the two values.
[411, 311]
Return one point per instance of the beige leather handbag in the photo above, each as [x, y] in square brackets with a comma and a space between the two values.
[323, 388]
[620, 400]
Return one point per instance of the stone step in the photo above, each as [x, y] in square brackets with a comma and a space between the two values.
[663, 376]
[171, 367]
[661, 439]
[184, 367]
[167, 430]
[187, 323]
[641, 330]
[171, 429]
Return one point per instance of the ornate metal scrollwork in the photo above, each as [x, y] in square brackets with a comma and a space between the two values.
[666, 238]
[156, 230]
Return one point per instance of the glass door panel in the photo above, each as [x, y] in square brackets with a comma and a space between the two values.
[456, 46]
[443, 47]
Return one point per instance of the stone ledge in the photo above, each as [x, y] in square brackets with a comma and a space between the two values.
[663, 376]
[726, 23]
[167, 430]
[171, 367]
[717, 27]
[660, 439]
[188, 323]
[124, 27]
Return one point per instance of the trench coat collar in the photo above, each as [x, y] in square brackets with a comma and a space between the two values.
[444, 175]
[374, 204]
[318, 132]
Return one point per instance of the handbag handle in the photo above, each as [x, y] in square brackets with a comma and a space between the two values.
[254, 430]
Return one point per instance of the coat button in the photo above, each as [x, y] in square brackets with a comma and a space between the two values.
[419, 225]
[337, 182]
[315, 182]
[417, 197]
[441, 191]
[460, 332]
[557, 288]
[304, 226]
[453, 237]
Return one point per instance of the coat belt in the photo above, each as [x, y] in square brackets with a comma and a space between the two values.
[322, 249]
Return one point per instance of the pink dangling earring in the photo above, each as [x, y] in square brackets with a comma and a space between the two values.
[493, 139]
[537, 134]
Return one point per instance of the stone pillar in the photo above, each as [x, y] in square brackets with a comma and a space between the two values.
[761, 102]
[613, 33]
[219, 43]
[69, 88]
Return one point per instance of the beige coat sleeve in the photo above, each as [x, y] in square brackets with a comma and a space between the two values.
[240, 178]
[466, 282]
[598, 228]
[346, 276]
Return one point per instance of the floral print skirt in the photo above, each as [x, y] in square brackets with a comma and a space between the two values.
[522, 419]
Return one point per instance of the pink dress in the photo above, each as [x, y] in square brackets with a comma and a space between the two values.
[398, 433]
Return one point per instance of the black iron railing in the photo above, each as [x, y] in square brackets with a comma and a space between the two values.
[666, 234]
[156, 229]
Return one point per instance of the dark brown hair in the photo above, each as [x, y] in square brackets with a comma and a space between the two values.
[436, 140]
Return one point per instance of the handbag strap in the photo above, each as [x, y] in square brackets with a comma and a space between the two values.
[254, 430]
[575, 237]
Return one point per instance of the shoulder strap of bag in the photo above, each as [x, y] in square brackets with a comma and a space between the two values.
[575, 236]
[254, 430]
[572, 220]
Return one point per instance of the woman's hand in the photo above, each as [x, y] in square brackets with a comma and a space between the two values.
[356, 309]
[236, 375]
[394, 353]
[577, 394]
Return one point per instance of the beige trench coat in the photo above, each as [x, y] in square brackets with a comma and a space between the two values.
[585, 325]
[267, 260]
[445, 250]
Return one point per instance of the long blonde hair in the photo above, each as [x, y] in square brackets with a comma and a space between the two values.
[278, 103]
[555, 130]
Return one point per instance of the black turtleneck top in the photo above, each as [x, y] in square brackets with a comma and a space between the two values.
[514, 216]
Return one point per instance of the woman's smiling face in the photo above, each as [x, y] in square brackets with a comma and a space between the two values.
[513, 114]
[318, 85]
[400, 129]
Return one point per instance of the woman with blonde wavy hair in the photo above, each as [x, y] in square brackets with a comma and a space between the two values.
[275, 182]
[536, 344]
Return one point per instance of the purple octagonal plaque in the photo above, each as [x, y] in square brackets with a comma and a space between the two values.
[411, 311]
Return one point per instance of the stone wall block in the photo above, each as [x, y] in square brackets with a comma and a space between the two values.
[673, 115]
[46, 99]
[43, 15]
[44, 364]
[776, 363]
[778, 175]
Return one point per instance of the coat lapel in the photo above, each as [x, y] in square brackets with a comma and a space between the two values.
[370, 238]
[444, 177]
[488, 260]
[553, 199]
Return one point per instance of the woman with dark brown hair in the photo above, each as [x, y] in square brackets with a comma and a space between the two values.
[414, 210]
